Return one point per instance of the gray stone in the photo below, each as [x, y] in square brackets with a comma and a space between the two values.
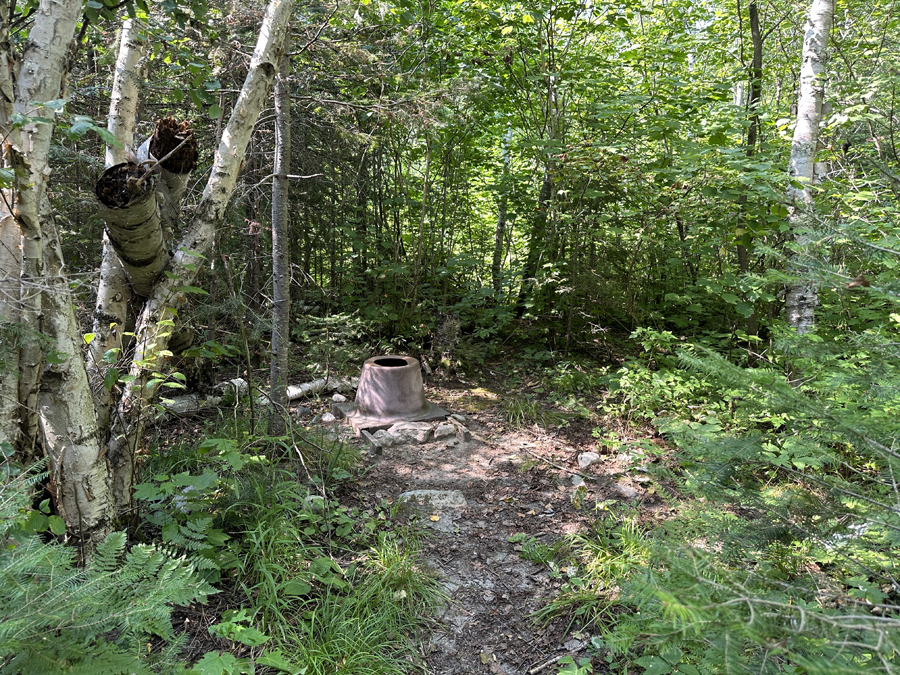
[339, 398]
[372, 442]
[444, 430]
[585, 459]
[328, 417]
[436, 500]
[463, 434]
[412, 432]
[384, 439]
[436, 508]
[302, 412]
[625, 491]
[462, 419]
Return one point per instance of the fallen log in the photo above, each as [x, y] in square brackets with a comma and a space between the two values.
[319, 386]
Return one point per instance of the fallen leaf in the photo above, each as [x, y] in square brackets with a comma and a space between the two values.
[486, 658]
[435, 518]
[859, 281]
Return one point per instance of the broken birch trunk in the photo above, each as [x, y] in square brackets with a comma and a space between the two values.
[139, 205]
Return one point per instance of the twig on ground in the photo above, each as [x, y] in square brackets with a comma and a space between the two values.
[546, 664]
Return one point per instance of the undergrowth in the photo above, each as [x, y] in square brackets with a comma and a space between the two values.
[325, 587]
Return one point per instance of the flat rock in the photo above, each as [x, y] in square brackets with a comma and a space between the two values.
[412, 432]
[585, 459]
[435, 500]
[328, 417]
[339, 398]
[301, 412]
[436, 508]
[625, 491]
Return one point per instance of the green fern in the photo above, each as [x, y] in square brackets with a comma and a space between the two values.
[56, 617]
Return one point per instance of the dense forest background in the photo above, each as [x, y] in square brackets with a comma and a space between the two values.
[602, 194]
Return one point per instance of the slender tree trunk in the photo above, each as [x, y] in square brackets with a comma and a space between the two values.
[281, 272]
[113, 291]
[500, 231]
[154, 324]
[802, 298]
[426, 186]
[10, 266]
[537, 242]
[756, 74]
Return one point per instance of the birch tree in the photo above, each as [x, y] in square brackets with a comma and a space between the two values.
[802, 298]
[91, 478]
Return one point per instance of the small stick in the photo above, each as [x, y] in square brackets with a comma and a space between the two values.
[538, 668]
[156, 163]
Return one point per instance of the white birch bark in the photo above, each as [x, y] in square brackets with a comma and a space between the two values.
[154, 324]
[801, 299]
[113, 292]
[67, 420]
[10, 266]
[39, 78]
[135, 229]
[281, 273]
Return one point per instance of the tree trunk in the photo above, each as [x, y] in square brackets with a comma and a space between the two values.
[756, 74]
[500, 231]
[537, 242]
[802, 298]
[113, 292]
[154, 324]
[58, 403]
[281, 270]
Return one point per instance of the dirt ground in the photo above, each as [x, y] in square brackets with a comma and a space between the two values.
[522, 479]
[514, 480]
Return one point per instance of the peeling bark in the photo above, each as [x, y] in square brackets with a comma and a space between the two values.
[154, 324]
[113, 291]
[129, 206]
[66, 411]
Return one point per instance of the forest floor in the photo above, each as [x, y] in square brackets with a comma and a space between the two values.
[514, 480]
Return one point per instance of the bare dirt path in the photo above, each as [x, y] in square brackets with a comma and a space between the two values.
[513, 481]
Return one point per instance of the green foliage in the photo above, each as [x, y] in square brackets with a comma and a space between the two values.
[182, 506]
[364, 631]
[57, 617]
[572, 667]
[525, 411]
[611, 553]
[790, 564]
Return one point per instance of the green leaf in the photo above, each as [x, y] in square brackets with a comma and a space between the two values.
[214, 112]
[214, 663]
[275, 659]
[654, 665]
[296, 587]
[57, 525]
[110, 378]
[55, 358]
[192, 289]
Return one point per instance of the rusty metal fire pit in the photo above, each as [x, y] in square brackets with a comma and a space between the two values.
[390, 391]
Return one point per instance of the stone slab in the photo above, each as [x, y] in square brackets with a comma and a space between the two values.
[361, 420]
